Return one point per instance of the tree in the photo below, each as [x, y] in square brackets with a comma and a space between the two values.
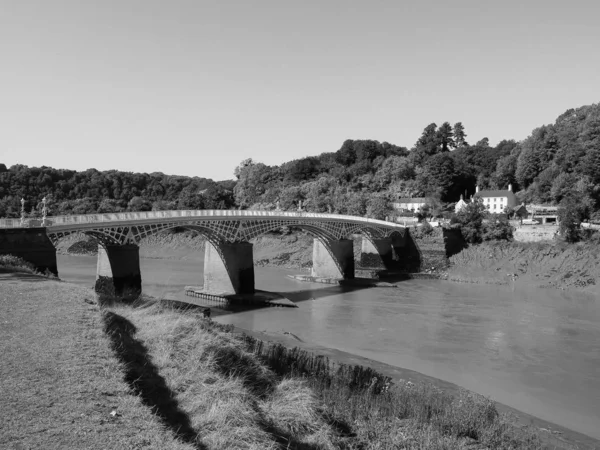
[426, 146]
[424, 212]
[391, 170]
[459, 135]
[497, 229]
[470, 219]
[569, 220]
[379, 207]
[254, 180]
[245, 163]
[505, 172]
[485, 142]
[438, 176]
[445, 137]
[139, 204]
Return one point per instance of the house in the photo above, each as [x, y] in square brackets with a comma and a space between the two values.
[521, 211]
[410, 204]
[496, 201]
[546, 214]
[460, 204]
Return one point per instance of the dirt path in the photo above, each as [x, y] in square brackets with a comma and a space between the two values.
[60, 385]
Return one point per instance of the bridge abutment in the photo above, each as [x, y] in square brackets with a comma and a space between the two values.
[30, 244]
[118, 271]
[229, 268]
[334, 261]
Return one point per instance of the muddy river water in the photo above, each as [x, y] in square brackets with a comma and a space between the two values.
[536, 350]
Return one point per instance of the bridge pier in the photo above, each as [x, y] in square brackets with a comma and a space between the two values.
[229, 268]
[377, 253]
[333, 261]
[118, 271]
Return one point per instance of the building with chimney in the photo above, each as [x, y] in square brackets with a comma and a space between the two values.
[496, 201]
[460, 204]
[409, 204]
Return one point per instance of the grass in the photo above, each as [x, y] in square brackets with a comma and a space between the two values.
[61, 386]
[76, 374]
[242, 393]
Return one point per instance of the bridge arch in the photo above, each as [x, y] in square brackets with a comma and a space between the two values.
[228, 232]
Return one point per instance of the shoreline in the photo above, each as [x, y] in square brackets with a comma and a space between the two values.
[553, 434]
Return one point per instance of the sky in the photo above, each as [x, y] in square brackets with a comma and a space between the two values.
[195, 87]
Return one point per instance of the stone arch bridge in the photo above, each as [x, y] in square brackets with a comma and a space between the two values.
[228, 263]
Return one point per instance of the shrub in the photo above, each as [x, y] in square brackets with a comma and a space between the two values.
[15, 264]
[497, 229]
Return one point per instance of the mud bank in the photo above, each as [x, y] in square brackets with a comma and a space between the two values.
[554, 265]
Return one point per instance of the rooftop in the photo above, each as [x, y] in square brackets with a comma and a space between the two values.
[412, 200]
[494, 193]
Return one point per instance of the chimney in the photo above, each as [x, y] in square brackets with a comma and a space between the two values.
[476, 188]
[461, 196]
[510, 187]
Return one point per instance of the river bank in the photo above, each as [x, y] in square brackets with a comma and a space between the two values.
[169, 336]
[544, 265]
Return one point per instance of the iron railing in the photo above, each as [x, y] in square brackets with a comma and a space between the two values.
[52, 221]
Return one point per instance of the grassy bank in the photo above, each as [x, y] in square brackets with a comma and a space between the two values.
[239, 392]
[79, 375]
[61, 385]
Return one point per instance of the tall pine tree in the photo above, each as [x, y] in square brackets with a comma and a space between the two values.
[445, 137]
[460, 137]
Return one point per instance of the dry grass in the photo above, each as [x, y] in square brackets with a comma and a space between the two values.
[242, 393]
[59, 379]
[231, 398]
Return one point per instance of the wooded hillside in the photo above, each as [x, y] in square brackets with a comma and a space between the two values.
[558, 163]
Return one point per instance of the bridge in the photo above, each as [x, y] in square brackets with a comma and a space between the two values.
[228, 262]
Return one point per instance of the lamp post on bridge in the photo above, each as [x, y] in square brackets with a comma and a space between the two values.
[44, 212]
[22, 212]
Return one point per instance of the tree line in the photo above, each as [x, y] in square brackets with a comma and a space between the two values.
[557, 164]
[91, 191]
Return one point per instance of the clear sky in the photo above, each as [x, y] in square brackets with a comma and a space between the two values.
[194, 87]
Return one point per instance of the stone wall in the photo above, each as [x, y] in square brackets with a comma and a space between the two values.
[424, 250]
[31, 244]
[535, 233]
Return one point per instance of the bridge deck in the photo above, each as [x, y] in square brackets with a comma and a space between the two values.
[146, 217]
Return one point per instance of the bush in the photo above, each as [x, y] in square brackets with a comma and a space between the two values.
[497, 229]
[13, 263]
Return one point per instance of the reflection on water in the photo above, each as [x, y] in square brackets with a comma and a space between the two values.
[535, 350]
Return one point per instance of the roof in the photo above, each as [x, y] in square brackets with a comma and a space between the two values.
[412, 200]
[496, 193]
[543, 208]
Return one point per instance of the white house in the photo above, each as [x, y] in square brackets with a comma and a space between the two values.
[497, 200]
[460, 204]
[411, 204]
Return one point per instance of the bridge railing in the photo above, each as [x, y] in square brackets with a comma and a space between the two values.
[149, 215]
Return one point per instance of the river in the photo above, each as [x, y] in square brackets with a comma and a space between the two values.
[536, 350]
